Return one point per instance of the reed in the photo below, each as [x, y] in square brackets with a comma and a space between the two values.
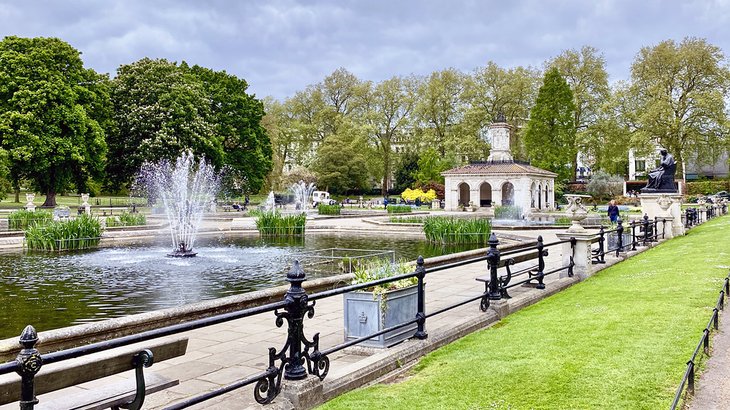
[406, 219]
[508, 212]
[21, 219]
[80, 233]
[272, 223]
[126, 219]
[450, 230]
[399, 209]
[329, 209]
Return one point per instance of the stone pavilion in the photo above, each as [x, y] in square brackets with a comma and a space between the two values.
[500, 180]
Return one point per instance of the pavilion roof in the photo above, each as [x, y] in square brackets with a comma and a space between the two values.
[498, 167]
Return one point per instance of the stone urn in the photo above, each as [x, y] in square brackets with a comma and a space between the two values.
[30, 197]
[85, 203]
[576, 211]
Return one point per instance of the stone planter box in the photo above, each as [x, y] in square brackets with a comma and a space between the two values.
[364, 315]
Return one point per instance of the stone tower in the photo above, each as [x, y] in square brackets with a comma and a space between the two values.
[498, 135]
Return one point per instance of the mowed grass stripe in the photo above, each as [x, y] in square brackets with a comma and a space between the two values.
[619, 340]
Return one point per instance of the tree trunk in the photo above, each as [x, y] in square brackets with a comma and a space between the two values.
[17, 195]
[50, 199]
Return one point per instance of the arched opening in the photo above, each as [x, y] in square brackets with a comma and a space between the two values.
[547, 202]
[485, 194]
[539, 197]
[533, 195]
[464, 194]
[508, 194]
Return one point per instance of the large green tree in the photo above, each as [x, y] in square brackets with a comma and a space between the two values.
[440, 109]
[236, 117]
[387, 109]
[550, 134]
[161, 110]
[585, 72]
[53, 112]
[341, 164]
[677, 99]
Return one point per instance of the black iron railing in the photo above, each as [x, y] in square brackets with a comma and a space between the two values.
[300, 356]
[643, 232]
[688, 380]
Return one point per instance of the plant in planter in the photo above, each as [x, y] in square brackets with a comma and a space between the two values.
[373, 309]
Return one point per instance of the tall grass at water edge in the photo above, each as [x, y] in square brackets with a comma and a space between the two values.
[508, 212]
[272, 223]
[451, 230]
[323, 209]
[21, 219]
[80, 233]
[126, 219]
[407, 219]
[399, 209]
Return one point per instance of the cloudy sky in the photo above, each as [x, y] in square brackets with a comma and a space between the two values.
[281, 46]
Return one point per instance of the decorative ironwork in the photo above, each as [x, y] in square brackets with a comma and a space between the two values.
[506, 279]
[421, 315]
[493, 264]
[292, 364]
[143, 359]
[29, 363]
[541, 254]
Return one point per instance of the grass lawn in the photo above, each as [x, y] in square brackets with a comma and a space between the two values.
[619, 340]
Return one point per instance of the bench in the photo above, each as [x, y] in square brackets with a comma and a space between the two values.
[95, 366]
[504, 280]
[111, 210]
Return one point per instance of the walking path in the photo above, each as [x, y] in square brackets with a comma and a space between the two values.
[713, 387]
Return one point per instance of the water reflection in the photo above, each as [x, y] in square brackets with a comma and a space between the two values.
[51, 291]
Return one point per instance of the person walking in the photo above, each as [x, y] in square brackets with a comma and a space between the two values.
[613, 212]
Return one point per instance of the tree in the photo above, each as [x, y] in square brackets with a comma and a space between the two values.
[676, 99]
[52, 114]
[440, 108]
[405, 171]
[236, 117]
[161, 110]
[550, 134]
[585, 73]
[604, 185]
[341, 164]
[388, 106]
[430, 167]
[492, 90]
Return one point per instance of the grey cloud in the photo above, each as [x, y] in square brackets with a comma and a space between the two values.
[281, 46]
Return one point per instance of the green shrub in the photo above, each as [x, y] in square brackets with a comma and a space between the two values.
[508, 212]
[406, 219]
[81, 233]
[445, 229]
[272, 223]
[126, 219]
[399, 209]
[323, 209]
[20, 220]
[373, 270]
[707, 187]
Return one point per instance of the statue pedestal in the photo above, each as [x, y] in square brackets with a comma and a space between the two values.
[664, 205]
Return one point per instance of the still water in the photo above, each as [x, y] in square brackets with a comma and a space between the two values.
[56, 290]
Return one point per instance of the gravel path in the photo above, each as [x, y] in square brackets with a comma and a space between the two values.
[712, 391]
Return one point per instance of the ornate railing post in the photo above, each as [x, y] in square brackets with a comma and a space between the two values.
[620, 233]
[633, 236]
[421, 315]
[493, 264]
[601, 247]
[29, 363]
[296, 307]
[646, 225]
[540, 263]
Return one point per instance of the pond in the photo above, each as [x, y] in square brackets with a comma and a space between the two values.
[56, 290]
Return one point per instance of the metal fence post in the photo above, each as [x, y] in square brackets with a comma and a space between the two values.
[601, 247]
[645, 224]
[620, 233]
[540, 263]
[29, 363]
[633, 236]
[296, 307]
[421, 315]
[493, 264]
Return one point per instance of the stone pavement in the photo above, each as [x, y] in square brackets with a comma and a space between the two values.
[224, 353]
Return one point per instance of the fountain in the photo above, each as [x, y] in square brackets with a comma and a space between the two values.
[186, 189]
[270, 203]
[302, 195]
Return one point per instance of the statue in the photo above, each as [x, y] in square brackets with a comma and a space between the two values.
[662, 178]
